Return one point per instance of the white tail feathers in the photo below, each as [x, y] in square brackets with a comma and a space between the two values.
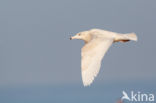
[130, 36]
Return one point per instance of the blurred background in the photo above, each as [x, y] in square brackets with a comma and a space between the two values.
[39, 64]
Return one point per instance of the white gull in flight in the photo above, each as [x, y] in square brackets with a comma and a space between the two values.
[97, 42]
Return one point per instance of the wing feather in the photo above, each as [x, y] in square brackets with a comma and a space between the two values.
[91, 57]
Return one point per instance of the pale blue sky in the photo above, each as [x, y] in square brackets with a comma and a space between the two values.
[35, 46]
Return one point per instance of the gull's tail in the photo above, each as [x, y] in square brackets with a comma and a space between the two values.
[126, 37]
[131, 36]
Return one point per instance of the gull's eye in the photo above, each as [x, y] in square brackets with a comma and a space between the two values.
[79, 34]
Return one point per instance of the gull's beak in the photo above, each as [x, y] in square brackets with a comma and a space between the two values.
[73, 37]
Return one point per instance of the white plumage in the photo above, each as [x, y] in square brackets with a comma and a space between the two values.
[97, 42]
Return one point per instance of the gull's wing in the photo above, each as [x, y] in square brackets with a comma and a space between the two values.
[92, 54]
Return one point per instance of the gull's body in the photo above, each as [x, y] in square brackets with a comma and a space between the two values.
[97, 42]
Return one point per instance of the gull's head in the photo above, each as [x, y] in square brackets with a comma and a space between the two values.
[82, 36]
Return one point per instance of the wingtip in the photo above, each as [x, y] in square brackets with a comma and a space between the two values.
[86, 85]
[87, 79]
[135, 36]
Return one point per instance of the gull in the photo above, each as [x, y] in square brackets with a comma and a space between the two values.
[97, 42]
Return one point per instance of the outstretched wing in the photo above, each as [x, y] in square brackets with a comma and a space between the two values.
[91, 57]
